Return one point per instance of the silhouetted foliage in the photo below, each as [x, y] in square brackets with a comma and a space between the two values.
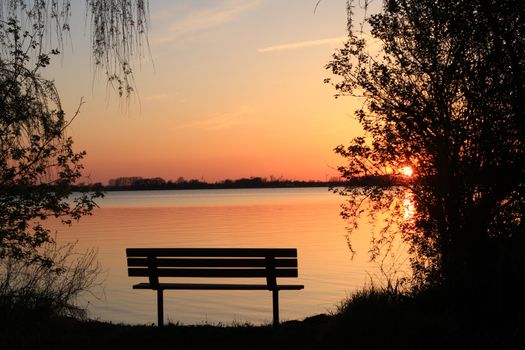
[33, 296]
[442, 85]
[157, 183]
[37, 162]
[39, 278]
[118, 31]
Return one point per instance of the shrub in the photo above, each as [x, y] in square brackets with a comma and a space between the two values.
[34, 294]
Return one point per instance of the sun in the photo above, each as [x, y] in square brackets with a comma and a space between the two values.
[407, 171]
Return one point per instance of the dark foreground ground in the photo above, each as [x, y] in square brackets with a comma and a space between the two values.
[368, 321]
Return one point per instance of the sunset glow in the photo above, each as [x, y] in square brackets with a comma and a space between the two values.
[233, 89]
[407, 171]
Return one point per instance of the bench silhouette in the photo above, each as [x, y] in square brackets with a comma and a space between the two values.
[263, 263]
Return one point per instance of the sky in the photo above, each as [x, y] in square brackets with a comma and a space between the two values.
[231, 89]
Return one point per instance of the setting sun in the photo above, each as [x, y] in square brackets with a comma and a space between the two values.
[407, 171]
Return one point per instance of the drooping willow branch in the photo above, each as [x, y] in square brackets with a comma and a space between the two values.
[118, 30]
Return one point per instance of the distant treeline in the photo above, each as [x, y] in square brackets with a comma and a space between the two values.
[158, 183]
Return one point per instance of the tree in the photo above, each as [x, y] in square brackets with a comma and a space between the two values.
[442, 85]
[40, 279]
[118, 31]
[38, 163]
[37, 160]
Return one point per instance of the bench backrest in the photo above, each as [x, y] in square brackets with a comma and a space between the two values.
[268, 263]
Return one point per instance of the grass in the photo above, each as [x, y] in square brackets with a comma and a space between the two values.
[369, 319]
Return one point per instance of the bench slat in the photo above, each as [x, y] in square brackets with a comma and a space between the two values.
[204, 286]
[167, 262]
[211, 252]
[241, 273]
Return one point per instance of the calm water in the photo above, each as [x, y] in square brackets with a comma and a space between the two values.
[304, 218]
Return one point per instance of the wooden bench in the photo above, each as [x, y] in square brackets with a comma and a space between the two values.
[263, 263]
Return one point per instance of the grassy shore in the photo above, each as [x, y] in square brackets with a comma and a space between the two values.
[368, 320]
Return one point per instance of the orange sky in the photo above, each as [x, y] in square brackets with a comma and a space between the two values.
[233, 89]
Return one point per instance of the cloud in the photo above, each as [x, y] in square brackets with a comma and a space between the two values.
[197, 20]
[303, 44]
[222, 121]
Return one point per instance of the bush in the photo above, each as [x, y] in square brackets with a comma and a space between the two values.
[35, 294]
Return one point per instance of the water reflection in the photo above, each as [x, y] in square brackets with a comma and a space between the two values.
[306, 219]
[408, 206]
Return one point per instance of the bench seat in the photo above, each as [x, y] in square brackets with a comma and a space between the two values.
[216, 286]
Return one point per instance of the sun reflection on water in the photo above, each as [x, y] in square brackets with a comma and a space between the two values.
[408, 207]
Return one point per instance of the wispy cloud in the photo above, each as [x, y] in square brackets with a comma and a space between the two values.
[198, 20]
[221, 121]
[303, 44]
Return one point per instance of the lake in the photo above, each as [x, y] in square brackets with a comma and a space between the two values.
[303, 218]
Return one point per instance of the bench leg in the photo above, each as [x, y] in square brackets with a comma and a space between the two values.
[160, 307]
[275, 297]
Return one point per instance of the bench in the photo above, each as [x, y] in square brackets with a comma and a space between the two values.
[262, 263]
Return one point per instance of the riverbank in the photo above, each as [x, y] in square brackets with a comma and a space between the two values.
[369, 320]
[138, 183]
